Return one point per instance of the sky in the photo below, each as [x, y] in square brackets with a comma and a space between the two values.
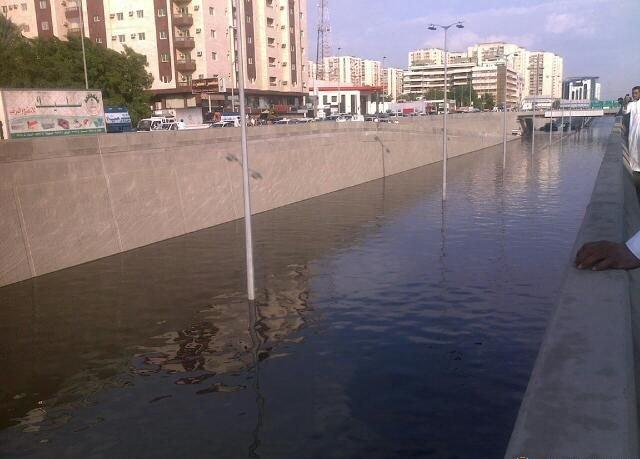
[595, 37]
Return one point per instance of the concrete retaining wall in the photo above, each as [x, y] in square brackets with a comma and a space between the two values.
[581, 399]
[66, 201]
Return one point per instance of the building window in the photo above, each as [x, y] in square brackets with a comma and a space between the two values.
[325, 100]
[43, 4]
[248, 19]
[121, 38]
[212, 11]
[250, 60]
[165, 79]
[4, 9]
[162, 13]
[142, 36]
[44, 25]
[23, 6]
[140, 13]
[213, 33]
[120, 16]
[163, 35]
[96, 19]
[214, 56]
[164, 57]
[250, 40]
[98, 40]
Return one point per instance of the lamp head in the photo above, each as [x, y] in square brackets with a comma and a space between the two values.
[432, 27]
[459, 25]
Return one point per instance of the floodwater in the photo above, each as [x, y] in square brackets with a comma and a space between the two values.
[386, 326]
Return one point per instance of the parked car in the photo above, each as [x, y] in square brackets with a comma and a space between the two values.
[223, 124]
[517, 131]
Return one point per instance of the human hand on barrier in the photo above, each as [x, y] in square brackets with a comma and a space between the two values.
[602, 255]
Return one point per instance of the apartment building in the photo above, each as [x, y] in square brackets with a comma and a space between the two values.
[393, 83]
[491, 79]
[421, 78]
[187, 40]
[527, 73]
[371, 73]
[545, 75]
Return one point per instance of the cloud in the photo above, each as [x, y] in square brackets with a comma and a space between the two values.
[564, 23]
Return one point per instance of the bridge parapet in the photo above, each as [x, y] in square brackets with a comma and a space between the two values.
[581, 398]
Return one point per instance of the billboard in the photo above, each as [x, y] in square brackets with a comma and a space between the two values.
[206, 86]
[43, 113]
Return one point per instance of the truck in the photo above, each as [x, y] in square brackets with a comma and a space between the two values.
[118, 119]
[26, 113]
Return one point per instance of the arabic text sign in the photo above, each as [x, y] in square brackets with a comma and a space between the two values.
[39, 113]
[207, 85]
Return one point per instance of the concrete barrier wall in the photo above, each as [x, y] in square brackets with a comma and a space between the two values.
[581, 399]
[66, 201]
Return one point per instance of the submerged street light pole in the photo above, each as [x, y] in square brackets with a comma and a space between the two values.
[251, 294]
[504, 110]
[446, 28]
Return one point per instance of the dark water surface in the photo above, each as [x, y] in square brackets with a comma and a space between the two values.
[383, 328]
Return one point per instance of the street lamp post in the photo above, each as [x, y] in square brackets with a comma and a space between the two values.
[533, 109]
[84, 54]
[446, 102]
[245, 157]
[504, 114]
[384, 58]
[339, 82]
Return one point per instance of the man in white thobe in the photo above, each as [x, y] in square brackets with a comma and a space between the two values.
[633, 110]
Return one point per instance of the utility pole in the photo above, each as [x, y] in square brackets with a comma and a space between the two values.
[84, 54]
[446, 102]
[251, 295]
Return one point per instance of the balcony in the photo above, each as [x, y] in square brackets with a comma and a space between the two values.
[184, 42]
[182, 20]
[72, 12]
[186, 65]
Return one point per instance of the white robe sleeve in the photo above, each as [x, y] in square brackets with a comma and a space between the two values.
[633, 245]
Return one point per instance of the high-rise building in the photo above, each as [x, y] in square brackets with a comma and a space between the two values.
[187, 40]
[544, 77]
[424, 77]
[371, 73]
[527, 73]
[581, 88]
[393, 83]
[346, 70]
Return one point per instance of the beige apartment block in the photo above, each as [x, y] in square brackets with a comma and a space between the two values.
[371, 73]
[545, 75]
[393, 83]
[346, 70]
[187, 40]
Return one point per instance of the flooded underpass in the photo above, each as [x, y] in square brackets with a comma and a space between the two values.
[386, 324]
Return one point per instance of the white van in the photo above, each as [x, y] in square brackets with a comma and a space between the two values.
[155, 123]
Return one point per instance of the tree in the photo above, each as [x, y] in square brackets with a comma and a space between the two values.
[487, 101]
[9, 32]
[52, 63]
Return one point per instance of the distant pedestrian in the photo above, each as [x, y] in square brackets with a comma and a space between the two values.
[626, 100]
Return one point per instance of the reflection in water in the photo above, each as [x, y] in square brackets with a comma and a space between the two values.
[386, 324]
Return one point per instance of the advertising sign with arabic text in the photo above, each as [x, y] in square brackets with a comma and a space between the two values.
[43, 113]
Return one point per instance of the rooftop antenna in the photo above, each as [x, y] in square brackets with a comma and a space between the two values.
[323, 45]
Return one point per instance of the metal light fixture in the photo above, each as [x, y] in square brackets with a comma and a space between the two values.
[446, 28]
